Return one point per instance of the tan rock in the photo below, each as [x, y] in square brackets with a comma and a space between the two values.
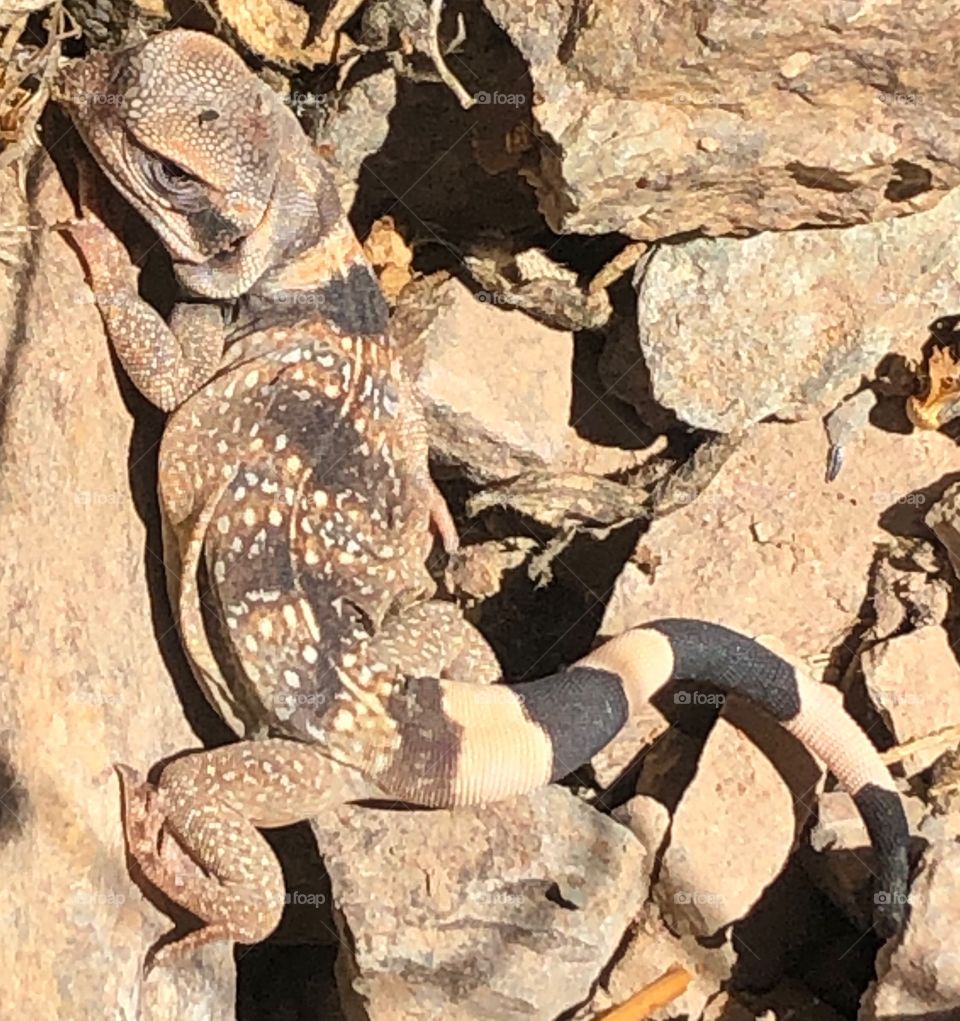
[84, 682]
[641, 731]
[806, 130]
[793, 342]
[919, 976]
[914, 680]
[843, 863]
[736, 822]
[508, 911]
[498, 391]
[651, 950]
[806, 583]
[354, 128]
[649, 821]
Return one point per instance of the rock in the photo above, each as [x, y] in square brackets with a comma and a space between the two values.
[355, 126]
[285, 33]
[498, 391]
[844, 424]
[504, 912]
[85, 681]
[640, 731]
[794, 342]
[649, 821]
[649, 952]
[919, 975]
[655, 121]
[736, 822]
[904, 596]
[914, 680]
[821, 538]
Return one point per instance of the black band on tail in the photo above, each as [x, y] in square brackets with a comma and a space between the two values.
[581, 710]
[733, 663]
[883, 815]
[737, 664]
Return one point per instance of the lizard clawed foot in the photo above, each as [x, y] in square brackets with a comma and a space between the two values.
[442, 520]
[168, 953]
[142, 815]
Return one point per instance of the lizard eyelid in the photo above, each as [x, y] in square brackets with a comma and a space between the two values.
[184, 190]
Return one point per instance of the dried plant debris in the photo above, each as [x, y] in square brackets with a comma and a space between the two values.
[532, 281]
[390, 256]
[652, 997]
[589, 502]
[938, 401]
[575, 503]
[26, 76]
[409, 32]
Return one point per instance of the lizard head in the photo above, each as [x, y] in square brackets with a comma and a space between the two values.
[186, 133]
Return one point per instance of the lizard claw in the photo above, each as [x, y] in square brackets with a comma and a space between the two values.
[142, 815]
[442, 520]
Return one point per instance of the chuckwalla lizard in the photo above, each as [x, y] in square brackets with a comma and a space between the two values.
[298, 504]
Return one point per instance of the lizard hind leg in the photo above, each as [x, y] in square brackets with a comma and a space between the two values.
[434, 638]
[202, 854]
[195, 835]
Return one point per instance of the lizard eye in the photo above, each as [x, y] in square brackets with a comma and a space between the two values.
[172, 181]
[169, 176]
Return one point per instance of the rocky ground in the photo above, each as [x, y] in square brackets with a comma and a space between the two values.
[675, 282]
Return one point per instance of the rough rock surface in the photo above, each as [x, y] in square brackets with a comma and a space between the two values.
[643, 120]
[505, 912]
[795, 550]
[914, 680]
[513, 409]
[788, 323]
[919, 977]
[84, 681]
[280, 30]
[355, 127]
[736, 822]
[659, 119]
[649, 952]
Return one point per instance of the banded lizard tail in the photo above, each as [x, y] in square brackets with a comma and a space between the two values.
[297, 504]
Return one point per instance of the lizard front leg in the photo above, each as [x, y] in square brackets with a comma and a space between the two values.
[414, 442]
[165, 362]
